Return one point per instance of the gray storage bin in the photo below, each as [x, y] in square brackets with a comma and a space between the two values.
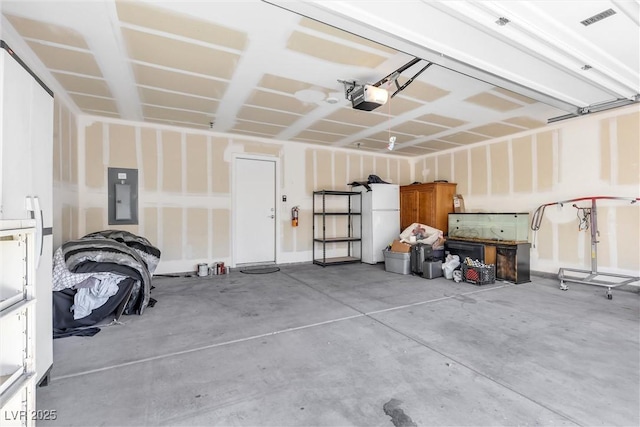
[397, 262]
[432, 269]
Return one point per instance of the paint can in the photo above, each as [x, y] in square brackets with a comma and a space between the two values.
[203, 269]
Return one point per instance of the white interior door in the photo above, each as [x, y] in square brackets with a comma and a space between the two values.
[255, 211]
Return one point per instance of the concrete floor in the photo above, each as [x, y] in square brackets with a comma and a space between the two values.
[353, 345]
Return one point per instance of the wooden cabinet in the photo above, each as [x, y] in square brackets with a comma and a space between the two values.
[512, 262]
[428, 204]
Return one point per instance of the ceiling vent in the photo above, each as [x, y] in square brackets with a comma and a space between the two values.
[599, 17]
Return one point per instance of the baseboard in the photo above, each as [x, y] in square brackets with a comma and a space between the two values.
[544, 274]
[195, 273]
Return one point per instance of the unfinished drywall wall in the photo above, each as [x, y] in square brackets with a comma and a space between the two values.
[185, 178]
[185, 194]
[325, 169]
[594, 155]
[65, 175]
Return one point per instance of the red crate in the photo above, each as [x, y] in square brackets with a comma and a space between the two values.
[479, 275]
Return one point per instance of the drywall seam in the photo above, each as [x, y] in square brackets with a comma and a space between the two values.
[73, 141]
[81, 171]
[106, 148]
[209, 165]
[487, 154]
[534, 163]
[413, 163]
[612, 220]
[210, 233]
[348, 167]
[395, 177]
[389, 171]
[141, 194]
[209, 191]
[436, 171]
[469, 171]
[556, 160]
[613, 149]
[183, 163]
[510, 173]
[81, 166]
[333, 187]
[612, 217]
[555, 248]
[183, 178]
[278, 194]
[452, 168]
[60, 142]
[159, 184]
[315, 169]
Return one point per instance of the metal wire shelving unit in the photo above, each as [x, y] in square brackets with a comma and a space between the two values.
[353, 236]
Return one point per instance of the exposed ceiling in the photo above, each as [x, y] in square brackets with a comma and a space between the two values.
[272, 68]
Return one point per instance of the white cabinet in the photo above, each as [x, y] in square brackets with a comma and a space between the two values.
[17, 322]
[26, 162]
[19, 407]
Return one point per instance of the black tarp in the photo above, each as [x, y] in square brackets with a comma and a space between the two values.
[65, 325]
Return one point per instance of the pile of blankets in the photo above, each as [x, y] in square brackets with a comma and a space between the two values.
[97, 265]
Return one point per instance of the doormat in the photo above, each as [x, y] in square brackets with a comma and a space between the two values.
[260, 270]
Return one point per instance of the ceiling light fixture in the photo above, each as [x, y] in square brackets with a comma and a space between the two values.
[392, 143]
[502, 21]
[309, 96]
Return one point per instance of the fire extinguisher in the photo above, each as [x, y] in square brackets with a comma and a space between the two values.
[294, 216]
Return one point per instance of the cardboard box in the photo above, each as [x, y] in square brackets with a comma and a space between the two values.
[398, 246]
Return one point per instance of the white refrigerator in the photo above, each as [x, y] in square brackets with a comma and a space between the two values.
[380, 219]
[26, 181]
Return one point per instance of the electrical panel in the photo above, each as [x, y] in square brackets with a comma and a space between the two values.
[123, 196]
